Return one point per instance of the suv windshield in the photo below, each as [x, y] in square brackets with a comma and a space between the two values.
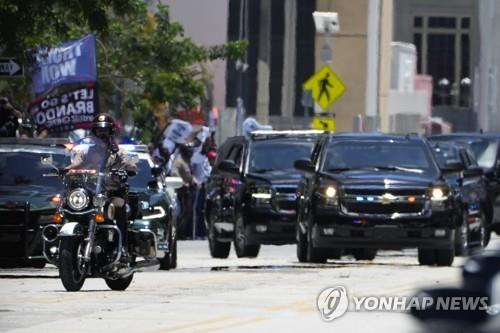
[385, 155]
[143, 175]
[445, 155]
[485, 152]
[278, 154]
[25, 168]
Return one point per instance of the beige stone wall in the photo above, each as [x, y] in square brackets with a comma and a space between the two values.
[349, 57]
[385, 63]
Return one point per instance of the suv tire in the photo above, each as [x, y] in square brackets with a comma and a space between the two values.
[243, 250]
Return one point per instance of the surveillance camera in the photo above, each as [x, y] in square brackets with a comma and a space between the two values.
[326, 22]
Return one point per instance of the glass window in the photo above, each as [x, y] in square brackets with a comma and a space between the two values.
[465, 23]
[417, 40]
[143, 176]
[485, 151]
[417, 21]
[25, 169]
[441, 66]
[277, 154]
[379, 154]
[442, 22]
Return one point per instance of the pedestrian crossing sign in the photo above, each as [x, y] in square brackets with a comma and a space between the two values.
[326, 87]
[324, 123]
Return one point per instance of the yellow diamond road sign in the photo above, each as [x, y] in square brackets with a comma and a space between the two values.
[324, 124]
[326, 87]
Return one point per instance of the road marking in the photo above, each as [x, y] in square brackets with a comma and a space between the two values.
[194, 324]
[237, 324]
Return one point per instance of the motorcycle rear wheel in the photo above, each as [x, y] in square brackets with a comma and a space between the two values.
[72, 269]
[120, 284]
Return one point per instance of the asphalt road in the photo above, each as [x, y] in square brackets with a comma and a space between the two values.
[270, 293]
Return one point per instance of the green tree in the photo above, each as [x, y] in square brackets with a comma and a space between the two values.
[143, 58]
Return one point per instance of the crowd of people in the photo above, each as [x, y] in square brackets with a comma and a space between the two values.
[190, 155]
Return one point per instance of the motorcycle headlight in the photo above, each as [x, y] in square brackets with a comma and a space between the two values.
[262, 195]
[78, 199]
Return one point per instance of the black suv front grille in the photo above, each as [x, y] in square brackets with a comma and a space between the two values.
[285, 199]
[386, 209]
[389, 203]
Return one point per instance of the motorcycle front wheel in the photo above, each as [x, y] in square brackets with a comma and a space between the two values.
[119, 284]
[72, 268]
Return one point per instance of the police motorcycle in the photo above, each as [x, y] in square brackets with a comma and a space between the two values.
[84, 241]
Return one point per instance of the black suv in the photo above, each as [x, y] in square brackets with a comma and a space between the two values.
[465, 177]
[486, 148]
[27, 200]
[364, 192]
[251, 194]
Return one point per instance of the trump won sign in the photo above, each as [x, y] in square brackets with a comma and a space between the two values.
[74, 61]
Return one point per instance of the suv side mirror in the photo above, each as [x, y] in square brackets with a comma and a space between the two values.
[474, 171]
[47, 160]
[156, 171]
[229, 167]
[304, 165]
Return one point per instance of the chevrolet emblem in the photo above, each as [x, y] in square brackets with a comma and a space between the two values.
[387, 198]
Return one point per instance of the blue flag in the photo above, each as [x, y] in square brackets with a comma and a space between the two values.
[73, 61]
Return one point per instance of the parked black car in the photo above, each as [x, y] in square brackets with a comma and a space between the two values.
[251, 194]
[27, 200]
[465, 177]
[153, 204]
[364, 192]
[486, 148]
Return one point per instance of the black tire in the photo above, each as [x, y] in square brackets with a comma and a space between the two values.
[242, 248]
[119, 284]
[444, 257]
[426, 257]
[462, 237]
[301, 246]
[314, 255]
[72, 270]
[364, 254]
[218, 249]
[169, 261]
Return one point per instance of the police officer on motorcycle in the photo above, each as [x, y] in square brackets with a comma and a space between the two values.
[103, 154]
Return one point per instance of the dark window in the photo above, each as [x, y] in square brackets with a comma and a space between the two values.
[235, 154]
[276, 75]
[417, 21]
[305, 37]
[442, 22]
[441, 66]
[417, 40]
[465, 81]
[401, 156]
[143, 176]
[284, 153]
[465, 23]
[25, 168]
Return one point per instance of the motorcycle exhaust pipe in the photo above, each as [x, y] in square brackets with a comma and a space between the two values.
[140, 266]
[50, 233]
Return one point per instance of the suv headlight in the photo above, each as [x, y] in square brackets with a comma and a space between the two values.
[329, 195]
[262, 196]
[78, 199]
[439, 194]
